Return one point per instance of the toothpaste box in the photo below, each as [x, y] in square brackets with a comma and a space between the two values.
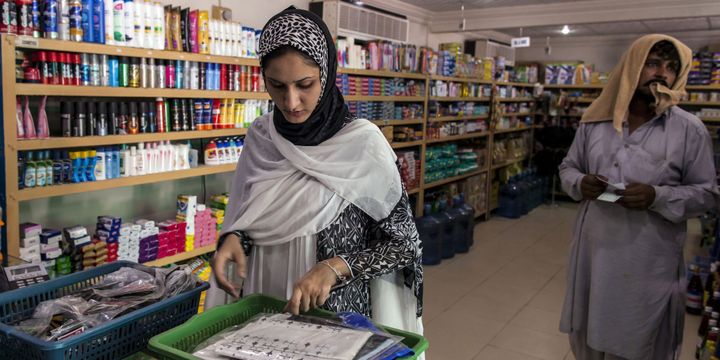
[30, 241]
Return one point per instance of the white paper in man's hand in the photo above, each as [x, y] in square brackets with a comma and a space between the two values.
[609, 195]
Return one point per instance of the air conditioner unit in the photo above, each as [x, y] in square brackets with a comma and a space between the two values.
[489, 48]
[360, 22]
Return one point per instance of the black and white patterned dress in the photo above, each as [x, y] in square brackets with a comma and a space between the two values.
[372, 249]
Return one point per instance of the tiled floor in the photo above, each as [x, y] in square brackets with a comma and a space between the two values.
[502, 300]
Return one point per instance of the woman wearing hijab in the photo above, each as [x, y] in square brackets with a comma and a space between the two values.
[625, 297]
[317, 211]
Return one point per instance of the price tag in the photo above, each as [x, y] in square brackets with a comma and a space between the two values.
[27, 42]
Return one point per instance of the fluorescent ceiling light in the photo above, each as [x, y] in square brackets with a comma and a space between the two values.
[565, 30]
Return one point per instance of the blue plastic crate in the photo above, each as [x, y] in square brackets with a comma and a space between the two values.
[115, 339]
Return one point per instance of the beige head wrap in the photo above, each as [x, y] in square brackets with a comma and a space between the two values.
[614, 101]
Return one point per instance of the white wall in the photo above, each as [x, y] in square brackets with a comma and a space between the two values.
[603, 52]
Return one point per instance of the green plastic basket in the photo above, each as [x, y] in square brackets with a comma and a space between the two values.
[178, 343]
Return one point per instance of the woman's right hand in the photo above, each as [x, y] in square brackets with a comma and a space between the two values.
[231, 250]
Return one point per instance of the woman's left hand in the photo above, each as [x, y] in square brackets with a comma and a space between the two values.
[312, 290]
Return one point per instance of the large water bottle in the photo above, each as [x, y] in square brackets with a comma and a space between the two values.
[429, 229]
[510, 201]
[536, 186]
[524, 193]
[462, 222]
[468, 213]
[447, 229]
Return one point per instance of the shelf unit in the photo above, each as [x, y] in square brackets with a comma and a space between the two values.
[11, 145]
[182, 256]
[384, 98]
[458, 137]
[574, 87]
[461, 79]
[518, 84]
[458, 118]
[454, 179]
[67, 142]
[522, 99]
[517, 114]
[69, 189]
[458, 98]
[505, 131]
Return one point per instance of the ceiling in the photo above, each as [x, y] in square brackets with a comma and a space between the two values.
[454, 5]
[624, 27]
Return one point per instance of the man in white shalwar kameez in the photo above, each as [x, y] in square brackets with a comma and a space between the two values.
[625, 290]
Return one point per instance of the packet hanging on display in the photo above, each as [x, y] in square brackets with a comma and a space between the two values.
[43, 127]
[28, 123]
[19, 120]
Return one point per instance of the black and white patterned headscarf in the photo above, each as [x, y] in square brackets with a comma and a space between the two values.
[307, 33]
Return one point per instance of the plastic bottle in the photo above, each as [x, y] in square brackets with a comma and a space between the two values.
[109, 163]
[118, 21]
[132, 162]
[67, 168]
[57, 168]
[125, 162]
[86, 21]
[116, 161]
[109, 22]
[49, 175]
[693, 305]
[76, 165]
[91, 163]
[139, 23]
[99, 170]
[140, 159]
[129, 22]
[98, 21]
[709, 286]
[40, 170]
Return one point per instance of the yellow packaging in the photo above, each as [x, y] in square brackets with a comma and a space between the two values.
[237, 114]
[204, 31]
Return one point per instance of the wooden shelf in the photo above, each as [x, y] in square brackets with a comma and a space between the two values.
[85, 141]
[700, 103]
[397, 122]
[381, 73]
[518, 114]
[505, 131]
[460, 79]
[413, 191]
[453, 179]
[90, 48]
[703, 87]
[710, 119]
[68, 189]
[458, 137]
[182, 256]
[401, 145]
[383, 98]
[508, 163]
[518, 84]
[104, 91]
[479, 214]
[457, 118]
[579, 87]
[581, 99]
[523, 99]
[447, 98]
